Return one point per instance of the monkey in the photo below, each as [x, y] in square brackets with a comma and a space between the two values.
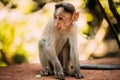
[58, 46]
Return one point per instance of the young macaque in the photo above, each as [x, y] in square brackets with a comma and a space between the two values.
[58, 45]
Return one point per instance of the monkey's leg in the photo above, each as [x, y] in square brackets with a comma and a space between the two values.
[47, 69]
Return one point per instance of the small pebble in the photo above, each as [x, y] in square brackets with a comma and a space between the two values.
[38, 76]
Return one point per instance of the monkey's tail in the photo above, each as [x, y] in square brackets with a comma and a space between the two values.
[100, 66]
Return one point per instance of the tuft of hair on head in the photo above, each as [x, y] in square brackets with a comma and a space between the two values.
[67, 7]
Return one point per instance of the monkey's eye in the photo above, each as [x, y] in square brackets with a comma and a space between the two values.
[60, 18]
[55, 17]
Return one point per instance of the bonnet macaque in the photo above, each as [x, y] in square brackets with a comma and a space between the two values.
[58, 46]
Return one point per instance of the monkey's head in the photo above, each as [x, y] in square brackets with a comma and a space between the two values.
[64, 16]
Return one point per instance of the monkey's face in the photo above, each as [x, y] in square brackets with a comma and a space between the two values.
[62, 19]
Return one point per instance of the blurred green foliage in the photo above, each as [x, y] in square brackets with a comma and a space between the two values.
[20, 55]
[6, 39]
[7, 36]
[19, 58]
[26, 6]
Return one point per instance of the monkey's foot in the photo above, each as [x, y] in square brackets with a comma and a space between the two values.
[77, 75]
[46, 72]
[66, 72]
[60, 75]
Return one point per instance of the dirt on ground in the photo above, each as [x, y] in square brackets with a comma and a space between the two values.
[27, 71]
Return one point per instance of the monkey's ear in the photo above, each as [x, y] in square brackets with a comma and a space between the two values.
[75, 16]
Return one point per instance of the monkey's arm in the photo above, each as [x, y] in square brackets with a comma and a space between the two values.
[73, 47]
[100, 66]
[74, 52]
[49, 36]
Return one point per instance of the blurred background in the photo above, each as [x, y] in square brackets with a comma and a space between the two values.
[22, 22]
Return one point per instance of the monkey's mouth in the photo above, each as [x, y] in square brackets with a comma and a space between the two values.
[61, 28]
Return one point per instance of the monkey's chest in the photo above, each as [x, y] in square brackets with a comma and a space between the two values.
[60, 42]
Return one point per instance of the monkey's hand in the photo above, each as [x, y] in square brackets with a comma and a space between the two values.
[77, 74]
[59, 75]
[46, 72]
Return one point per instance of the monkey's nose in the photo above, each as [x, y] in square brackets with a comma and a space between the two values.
[58, 28]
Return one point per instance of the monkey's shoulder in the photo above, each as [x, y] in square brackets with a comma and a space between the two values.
[73, 28]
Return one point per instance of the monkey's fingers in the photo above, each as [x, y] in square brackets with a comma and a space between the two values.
[78, 75]
[60, 75]
[46, 72]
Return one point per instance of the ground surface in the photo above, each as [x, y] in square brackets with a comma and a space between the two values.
[29, 71]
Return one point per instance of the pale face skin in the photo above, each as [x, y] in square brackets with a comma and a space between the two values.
[62, 19]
